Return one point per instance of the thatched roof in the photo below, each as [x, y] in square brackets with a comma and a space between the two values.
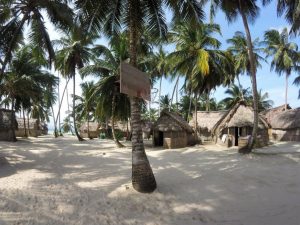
[207, 120]
[239, 115]
[172, 121]
[33, 123]
[147, 126]
[93, 126]
[289, 119]
[269, 114]
[5, 120]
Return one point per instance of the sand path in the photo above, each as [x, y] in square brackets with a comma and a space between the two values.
[61, 181]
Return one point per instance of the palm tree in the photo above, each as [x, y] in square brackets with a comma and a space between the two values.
[198, 57]
[161, 68]
[110, 102]
[165, 101]
[86, 104]
[291, 9]
[248, 10]
[264, 102]
[30, 12]
[284, 54]
[236, 94]
[138, 16]
[74, 54]
[297, 82]
[25, 83]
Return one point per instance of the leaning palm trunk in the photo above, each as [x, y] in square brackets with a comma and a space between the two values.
[74, 114]
[119, 145]
[143, 179]
[173, 93]
[254, 84]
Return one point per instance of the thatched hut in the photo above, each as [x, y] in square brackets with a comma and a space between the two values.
[236, 125]
[6, 132]
[205, 122]
[94, 130]
[147, 128]
[44, 128]
[286, 126]
[269, 114]
[32, 127]
[172, 131]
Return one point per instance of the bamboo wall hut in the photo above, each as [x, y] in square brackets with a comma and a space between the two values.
[6, 133]
[205, 122]
[94, 130]
[33, 125]
[172, 131]
[235, 127]
[286, 126]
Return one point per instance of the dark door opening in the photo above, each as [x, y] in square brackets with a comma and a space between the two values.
[160, 139]
[236, 136]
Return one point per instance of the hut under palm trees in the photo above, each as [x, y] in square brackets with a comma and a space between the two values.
[286, 125]
[6, 132]
[172, 131]
[30, 128]
[90, 131]
[206, 120]
[236, 125]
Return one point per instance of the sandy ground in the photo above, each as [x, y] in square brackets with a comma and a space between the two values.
[61, 181]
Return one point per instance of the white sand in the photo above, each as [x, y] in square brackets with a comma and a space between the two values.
[62, 181]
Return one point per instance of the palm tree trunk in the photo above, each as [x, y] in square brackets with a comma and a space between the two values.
[12, 121]
[173, 93]
[177, 94]
[24, 122]
[55, 127]
[113, 107]
[241, 88]
[61, 100]
[190, 105]
[207, 102]
[159, 95]
[88, 126]
[254, 84]
[69, 121]
[74, 114]
[58, 95]
[143, 179]
[286, 90]
[196, 122]
[29, 132]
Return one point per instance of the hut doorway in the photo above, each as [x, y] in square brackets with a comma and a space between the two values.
[236, 136]
[160, 141]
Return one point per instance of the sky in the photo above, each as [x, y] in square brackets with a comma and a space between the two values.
[267, 80]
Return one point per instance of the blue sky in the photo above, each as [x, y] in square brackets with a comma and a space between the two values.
[267, 80]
